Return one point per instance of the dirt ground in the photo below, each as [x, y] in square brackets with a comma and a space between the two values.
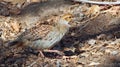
[92, 41]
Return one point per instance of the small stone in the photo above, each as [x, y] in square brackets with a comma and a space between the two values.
[114, 52]
[72, 34]
[92, 42]
[113, 43]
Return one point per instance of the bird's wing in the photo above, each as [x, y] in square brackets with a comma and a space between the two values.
[37, 32]
[50, 40]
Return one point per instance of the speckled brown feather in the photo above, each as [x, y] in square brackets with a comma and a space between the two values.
[52, 34]
[43, 36]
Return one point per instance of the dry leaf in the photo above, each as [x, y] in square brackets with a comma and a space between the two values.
[16, 26]
[93, 10]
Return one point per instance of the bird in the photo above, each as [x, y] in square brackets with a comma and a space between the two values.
[44, 37]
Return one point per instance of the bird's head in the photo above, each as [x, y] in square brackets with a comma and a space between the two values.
[63, 23]
[65, 19]
[68, 17]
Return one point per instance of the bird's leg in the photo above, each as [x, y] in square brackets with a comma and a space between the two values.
[41, 54]
[38, 59]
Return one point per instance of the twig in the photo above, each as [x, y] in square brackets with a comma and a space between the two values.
[34, 62]
[95, 2]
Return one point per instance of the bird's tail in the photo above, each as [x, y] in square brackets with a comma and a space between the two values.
[16, 43]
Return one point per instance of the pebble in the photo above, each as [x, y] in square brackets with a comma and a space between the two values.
[114, 53]
[92, 42]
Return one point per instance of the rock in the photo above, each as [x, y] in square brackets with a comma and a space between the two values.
[92, 42]
[113, 43]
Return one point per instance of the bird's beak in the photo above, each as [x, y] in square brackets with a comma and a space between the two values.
[68, 18]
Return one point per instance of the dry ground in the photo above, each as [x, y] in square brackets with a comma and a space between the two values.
[89, 42]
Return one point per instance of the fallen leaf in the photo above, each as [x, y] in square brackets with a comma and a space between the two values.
[16, 26]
